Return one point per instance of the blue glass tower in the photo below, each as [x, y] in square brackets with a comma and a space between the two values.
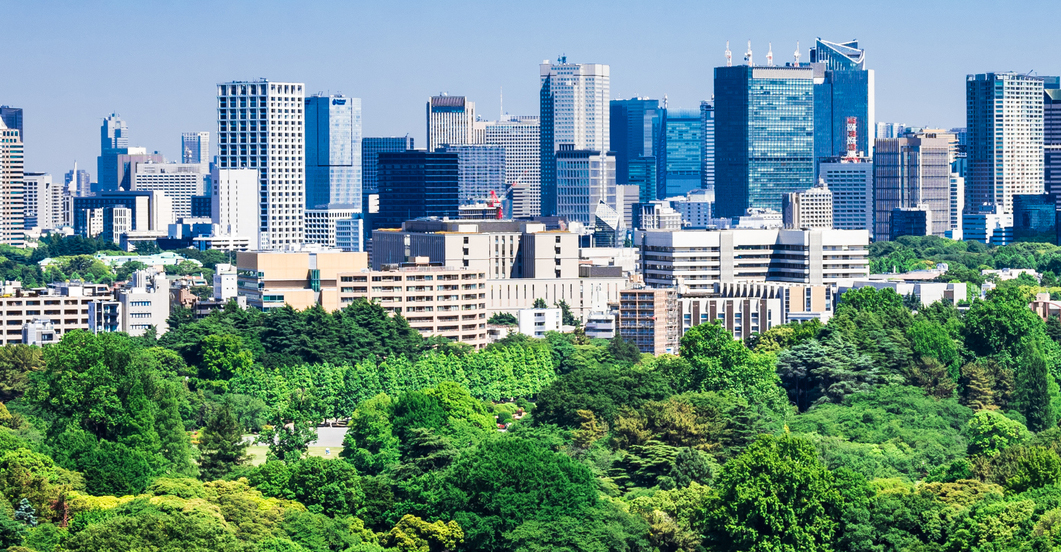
[333, 152]
[631, 133]
[764, 136]
[845, 90]
[678, 152]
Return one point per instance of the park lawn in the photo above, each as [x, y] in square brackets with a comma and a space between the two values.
[258, 453]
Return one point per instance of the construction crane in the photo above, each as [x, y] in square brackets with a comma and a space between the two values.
[496, 202]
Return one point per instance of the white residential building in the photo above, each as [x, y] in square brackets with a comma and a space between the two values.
[234, 207]
[43, 200]
[812, 208]
[144, 303]
[535, 322]
[225, 287]
[179, 181]
[261, 126]
[851, 181]
[335, 227]
[695, 207]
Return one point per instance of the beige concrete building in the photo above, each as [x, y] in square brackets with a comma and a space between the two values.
[12, 211]
[812, 208]
[583, 295]
[437, 301]
[649, 318]
[297, 278]
[65, 305]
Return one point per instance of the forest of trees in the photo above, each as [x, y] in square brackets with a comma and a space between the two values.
[884, 429]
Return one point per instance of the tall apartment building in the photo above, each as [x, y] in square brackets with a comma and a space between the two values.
[451, 121]
[707, 148]
[480, 170]
[851, 181]
[416, 184]
[585, 180]
[261, 126]
[1004, 121]
[179, 181]
[649, 319]
[12, 118]
[694, 260]
[195, 147]
[679, 150]
[520, 137]
[761, 154]
[12, 209]
[631, 133]
[845, 90]
[574, 113]
[234, 209]
[43, 202]
[912, 172]
[810, 209]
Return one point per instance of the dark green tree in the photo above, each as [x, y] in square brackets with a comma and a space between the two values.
[221, 445]
[25, 514]
[1036, 390]
[624, 351]
[539, 303]
[567, 318]
[503, 319]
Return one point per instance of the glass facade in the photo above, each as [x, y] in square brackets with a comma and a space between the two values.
[643, 174]
[333, 152]
[764, 136]
[631, 133]
[679, 149]
[707, 149]
[480, 170]
[843, 94]
[414, 184]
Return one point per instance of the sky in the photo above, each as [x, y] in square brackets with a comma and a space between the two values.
[156, 63]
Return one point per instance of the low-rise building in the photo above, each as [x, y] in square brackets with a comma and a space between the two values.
[925, 292]
[535, 322]
[582, 295]
[301, 279]
[1044, 307]
[65, 304]
[39, 331]
[601, 325]
[144, 303]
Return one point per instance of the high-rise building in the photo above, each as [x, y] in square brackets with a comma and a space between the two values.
[642, 173]
[631, 133]
[179, 181]
[1004, 119]
[810, 209]
[851, 181]
[480, 170]
[12, 187]
[585, 180]
[575, 113]
[845, 90]
[80, 187]
[234, 210]
[707, 149]
[12, 117]
[116, 165]
[260, 126]
[1052, 142]
[679, 150]
[114, 134]
[43, 202]
[195, 147]
[370, 150]
[520, 138]
[333, 152]
[912, 172]
[451, 121]
[414, 184]
[890, 130]
[764, 135]
[957, 205]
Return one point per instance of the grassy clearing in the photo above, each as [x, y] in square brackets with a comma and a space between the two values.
[258, 453]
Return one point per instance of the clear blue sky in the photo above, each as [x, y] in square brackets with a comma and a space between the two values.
[69, 64]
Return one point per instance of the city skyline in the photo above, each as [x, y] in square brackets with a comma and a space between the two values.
[66, 97]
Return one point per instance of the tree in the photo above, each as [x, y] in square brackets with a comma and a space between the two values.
[720, 363]
[174, 445]
[221, 445]
[1037, 390]
[330, 487]
[992, 432]
[413, 534]
[224, 356]
[624, 351]
[17, 362]
[1026, 467]
[25, 514]
[503, 319]
[567, 318]
[539, 303]
[775, 496]
[996, 328]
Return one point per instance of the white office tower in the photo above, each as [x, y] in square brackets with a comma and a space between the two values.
[43, 200]
[851, 181]
[810, 209]
[11, 185]
[1004, 121]
[234, 209]
[957, 204]
[451, 121]
[585, 181]
[260, 126]
[575, 111]
[179, 181]
[195, 147]
[695, 208]
[520, 137]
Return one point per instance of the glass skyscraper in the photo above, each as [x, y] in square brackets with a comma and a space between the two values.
[414, 184]
[845, 90]
[764, 136]
[631, 134]
[707, 148]
[333, 152]
[678, 152]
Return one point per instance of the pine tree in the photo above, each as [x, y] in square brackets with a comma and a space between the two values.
[26, 514]
[221, 445]
[977, 386]
[1034, 390]
[174, 445]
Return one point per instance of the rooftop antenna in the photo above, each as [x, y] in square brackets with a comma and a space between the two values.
[748, 54]
[770, 54]
[797, 53]
[729, 56]
[664, 101]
